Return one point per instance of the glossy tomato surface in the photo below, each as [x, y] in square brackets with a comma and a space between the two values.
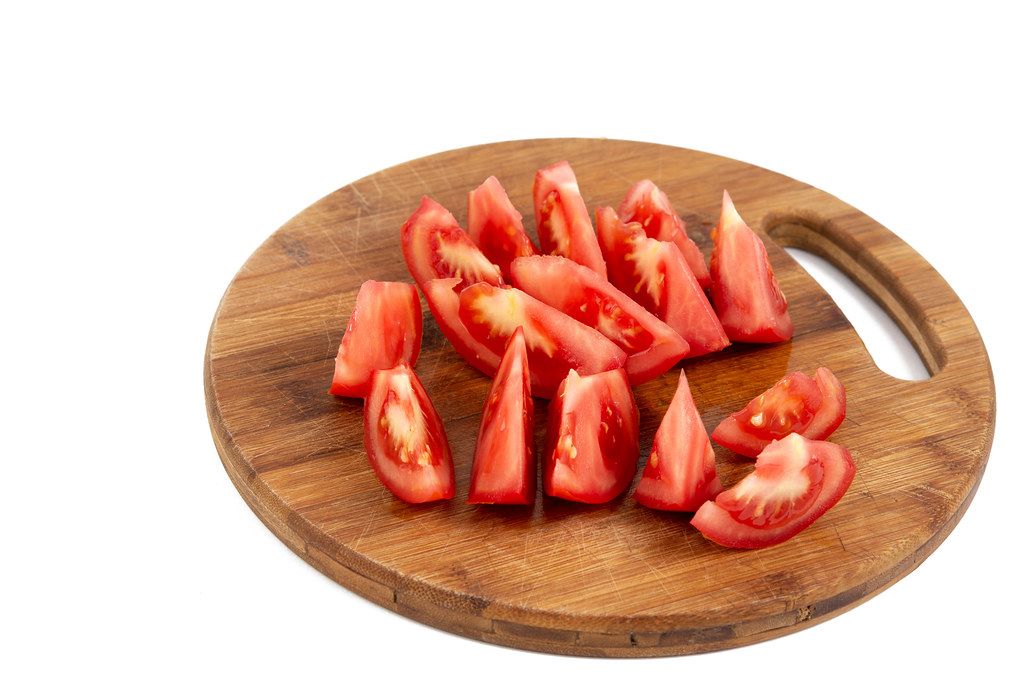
[652, 346]
[592, 442]
[504, 469]
[384, 330]
[647, 205]
[794, 482]
[434, 246]
[794, 404]
[655, 275]
[405, 438]
[744, 290]
[563, 223]
[443, 300]
[680, 473]
[555, 342]
[496, 227]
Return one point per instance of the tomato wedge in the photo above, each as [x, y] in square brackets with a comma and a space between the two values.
[579, 292]
[405, 439]
[555, 342]
[435, 246]
[496, 227]
[592, 442]
[795, 404]
[563, 223]
[744, 290]
[655, 275]
[649, 206]
[680, 474]
[503, 466]
[443, 300]
[794, 482]
[384, 330]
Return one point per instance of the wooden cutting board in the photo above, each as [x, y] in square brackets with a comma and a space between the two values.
[615, 579]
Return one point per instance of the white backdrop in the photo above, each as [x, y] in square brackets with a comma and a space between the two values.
[145, 152]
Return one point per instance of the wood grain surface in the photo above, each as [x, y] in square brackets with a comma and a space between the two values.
[615, 579]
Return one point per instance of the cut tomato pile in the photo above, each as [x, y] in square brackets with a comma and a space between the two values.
[590, 315]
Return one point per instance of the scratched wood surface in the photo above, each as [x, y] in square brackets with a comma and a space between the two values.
[615, 579]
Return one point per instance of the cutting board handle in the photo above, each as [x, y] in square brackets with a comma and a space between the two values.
[903, 283]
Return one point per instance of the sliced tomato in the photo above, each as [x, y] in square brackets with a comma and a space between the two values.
[744, 290]
[384, 330]
[496, 227]
[435, 246]
[794, 482]
[653, 346]
[794, 404]
[655, 275]
[680, 474]
[405, 439]
[592, 442]
[443, 300]
[649, 206]
[504, 470]
[555, 342]
[563, 223]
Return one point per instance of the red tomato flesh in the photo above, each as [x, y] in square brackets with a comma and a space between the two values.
[384, 330]
[496, 227]
[405, 438]
[555, 342]
[435, 246]
[443, 300]
[563, 223]
[744, 290]
[653, 346]
[649, 206]
[680, 473]
[795, 404]
[794, 482]
[503, 466]
[592, 442]
[655, 275]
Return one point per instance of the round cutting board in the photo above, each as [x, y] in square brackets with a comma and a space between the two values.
[615, 579]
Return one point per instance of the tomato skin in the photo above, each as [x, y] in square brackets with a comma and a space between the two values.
[592, 444]
[655, 275]
[434, 246]
[794, 482]
[496, 227]
[579, 292]
[794, 404]
[647, 205]
[405, 438]
[563, 223]
[555, 342]
[384, 330]
[443, 300]
[744, 290]
[680, 473]
[504, 468]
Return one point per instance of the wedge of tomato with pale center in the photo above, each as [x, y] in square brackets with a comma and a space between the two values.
[504, 469]
[442, 297]
[592, 443]
[680, 473]
[794, 482]
[744, 290]
[652, 346]
[795, 404]
[434, 246]
[555, 343]
[384, 330]
[496, 227]
[649, 206]
[563, 223]
[405, 438]
[655, 275]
